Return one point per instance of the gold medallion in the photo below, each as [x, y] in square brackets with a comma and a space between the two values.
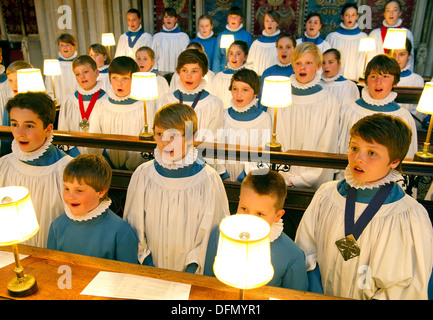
[348, 247]
[84, 125]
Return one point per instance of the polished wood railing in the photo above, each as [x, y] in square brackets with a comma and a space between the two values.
[297, 199]
[289, 157]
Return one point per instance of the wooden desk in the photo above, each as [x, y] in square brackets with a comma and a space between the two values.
[44, 265]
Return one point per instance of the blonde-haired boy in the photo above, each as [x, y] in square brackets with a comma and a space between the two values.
[263, 193]
[174, 201]
[311, 122]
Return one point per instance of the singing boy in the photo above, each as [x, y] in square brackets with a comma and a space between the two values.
[135, 38]
[174, 201]
[76, 112]
[35, 163]
[88, 226]
[235, 27]
[364, 236]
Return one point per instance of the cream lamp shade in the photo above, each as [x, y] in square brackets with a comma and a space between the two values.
[277, 92]
[367, 44]
[30, 80]
[144, 86]
[17, 216]
[226, 40]
[107, 39]
[52, 67]
[395, 39]
[425, 104]
[243, 258]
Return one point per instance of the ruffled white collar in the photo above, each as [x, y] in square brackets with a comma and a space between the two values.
[271, 35]
[407, 66]
[355, 25]
[30, 156]
[392, 176]
[165, 28]
[104, 67]
[229, 65]
[338, 75]
[70, 58]
[114, 97]
[237, 29]
[189, 159]
[398, 24]
[97, 87]
[129, 29]
[276, 230]
[367, 98]
[283, 65]
[244, 109]
[315, 37]
[305, 86]
[100, 209]
[199, 88]
[199, 35]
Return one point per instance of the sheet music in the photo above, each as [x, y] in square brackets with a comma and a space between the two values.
[128, 286]
[6, 258]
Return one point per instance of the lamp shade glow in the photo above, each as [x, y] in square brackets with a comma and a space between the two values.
[243, 257]
[226, 40]
[395, 39]
[30, 80]
[107, 39]
[367, 44]
[277, 92]
[425, 104]
[17, 216]
[52, 67]
[144, 86]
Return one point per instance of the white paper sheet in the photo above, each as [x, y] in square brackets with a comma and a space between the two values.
[6, 258]
[128, 286]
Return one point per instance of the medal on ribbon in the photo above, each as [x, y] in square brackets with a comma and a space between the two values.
[348, 246]
[84, 123]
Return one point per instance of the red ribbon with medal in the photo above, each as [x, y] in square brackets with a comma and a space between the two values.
[84, 123]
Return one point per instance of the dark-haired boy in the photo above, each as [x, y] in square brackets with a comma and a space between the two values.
[170, 42]
[121, 114]
[235, 27]
[135, 38]
[35, 163]
[382, 74]
[363, 236]
[192, 66]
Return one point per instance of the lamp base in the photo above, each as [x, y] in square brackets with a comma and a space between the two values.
[22, 287]
[273, 146]
[422, 156]
[146, 136]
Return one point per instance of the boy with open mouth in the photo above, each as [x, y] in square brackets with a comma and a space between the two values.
[382, 74]
[363, 236]
[311, 122]
[121, 114]
[313, 25]
[35, 163]
[174, 201]
[346, 40]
